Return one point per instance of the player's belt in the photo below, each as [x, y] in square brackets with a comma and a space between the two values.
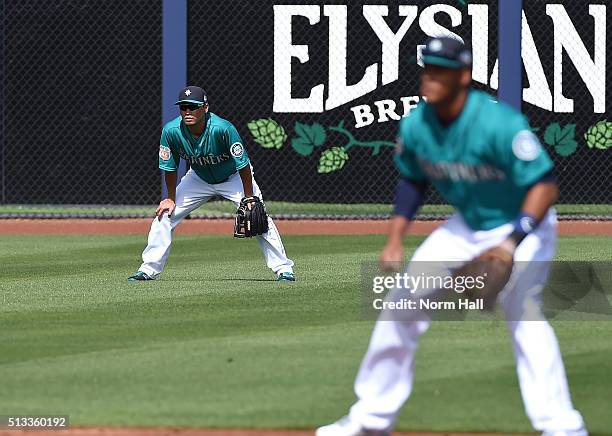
[224, 180]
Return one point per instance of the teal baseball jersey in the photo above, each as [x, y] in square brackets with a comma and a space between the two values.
[482, 163]
[214, 156]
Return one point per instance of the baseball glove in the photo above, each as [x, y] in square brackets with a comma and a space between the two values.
[251, 218]
[493, 269]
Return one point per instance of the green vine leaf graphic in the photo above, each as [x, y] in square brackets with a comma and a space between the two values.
[332, 160]
[302, 147]
[352, 141]
[267, 133]
[561, 138]
[309, 137]
[599, 135]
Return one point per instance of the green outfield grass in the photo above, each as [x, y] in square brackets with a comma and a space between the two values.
[225, 208]
[216, 343]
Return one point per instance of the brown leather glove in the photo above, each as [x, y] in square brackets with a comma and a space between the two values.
[493, 267]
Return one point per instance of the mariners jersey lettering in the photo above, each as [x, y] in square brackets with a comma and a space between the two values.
[482, 163]
[214, 156]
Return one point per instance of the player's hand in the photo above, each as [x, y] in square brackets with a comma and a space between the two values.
[392, 256]
[166, 205]
[503, 252]
[249, 204]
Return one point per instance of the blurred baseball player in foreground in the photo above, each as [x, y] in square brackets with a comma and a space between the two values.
[485, 161]
[219, 166]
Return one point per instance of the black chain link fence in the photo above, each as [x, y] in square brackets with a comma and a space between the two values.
[81, 83]
[81, 101]
[569, 58]
[325, 157]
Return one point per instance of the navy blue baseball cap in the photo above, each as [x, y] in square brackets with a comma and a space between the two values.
[447, 52]
[192, 94]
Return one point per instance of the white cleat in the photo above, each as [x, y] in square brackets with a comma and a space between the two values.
[581, 432]
[346, 427]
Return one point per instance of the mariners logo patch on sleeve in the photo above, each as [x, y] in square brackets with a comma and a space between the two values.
[164, 152]
[237, 150]
[526, 145]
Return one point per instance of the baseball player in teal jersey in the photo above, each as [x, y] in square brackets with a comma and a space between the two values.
[484, 160]
[220, 166]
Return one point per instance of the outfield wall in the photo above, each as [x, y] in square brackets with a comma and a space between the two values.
[311, 88]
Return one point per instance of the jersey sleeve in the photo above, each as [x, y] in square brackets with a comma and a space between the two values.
[525, 161]
[405, 157]
[168, 156]
[236, 147]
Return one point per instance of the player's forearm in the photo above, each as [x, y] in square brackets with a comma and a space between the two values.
[247, 180]
[397, 229]
[408, 199]
[539, 199]
[170, 177]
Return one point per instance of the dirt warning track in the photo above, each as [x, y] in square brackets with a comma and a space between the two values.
[225, 227]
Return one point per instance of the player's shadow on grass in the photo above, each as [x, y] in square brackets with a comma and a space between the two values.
[237, 279]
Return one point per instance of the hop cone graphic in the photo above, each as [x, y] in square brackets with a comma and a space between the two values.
[267, 133]
[599, 135]
[332, 160]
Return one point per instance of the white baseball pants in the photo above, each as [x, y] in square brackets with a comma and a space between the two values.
[191, 193]
[385, 378]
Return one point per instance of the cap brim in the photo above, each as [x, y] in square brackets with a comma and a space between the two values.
[190, 101]
[441, 62]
